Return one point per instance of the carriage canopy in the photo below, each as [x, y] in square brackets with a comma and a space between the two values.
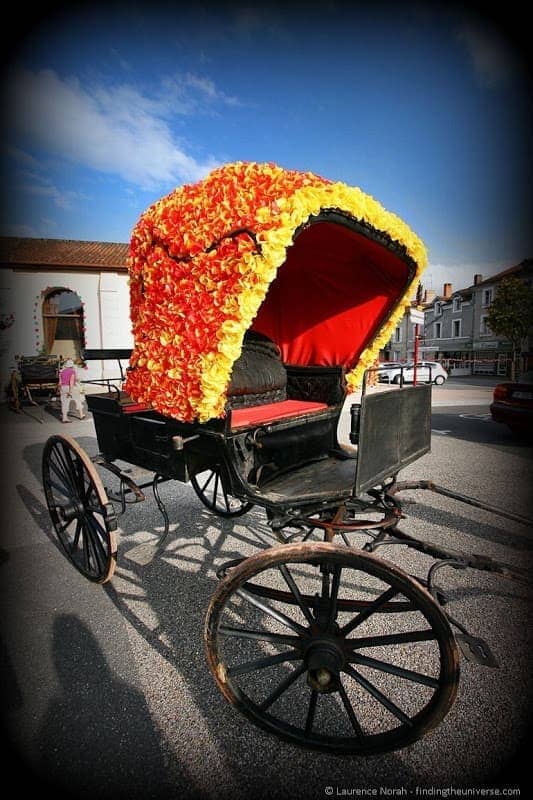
[318, 266]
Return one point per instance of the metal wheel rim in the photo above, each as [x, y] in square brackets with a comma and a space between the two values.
[80, 511]
[212, 492]
[360, 740]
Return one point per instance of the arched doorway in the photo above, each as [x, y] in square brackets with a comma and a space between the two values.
[63, 323]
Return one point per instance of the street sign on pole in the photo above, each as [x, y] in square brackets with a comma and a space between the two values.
[416, 316]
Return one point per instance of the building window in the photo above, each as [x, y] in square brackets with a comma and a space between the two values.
[63, 323]
[438, 309]
[456, 328]
[438, 330]
[456, 304]
[398, 335]
[484, 328]
[487, 298]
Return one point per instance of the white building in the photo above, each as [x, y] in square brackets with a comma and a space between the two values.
[58, 297]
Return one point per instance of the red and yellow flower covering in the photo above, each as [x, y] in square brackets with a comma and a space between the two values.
[202, 260]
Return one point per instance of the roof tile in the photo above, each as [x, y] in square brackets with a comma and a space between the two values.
[63, 253]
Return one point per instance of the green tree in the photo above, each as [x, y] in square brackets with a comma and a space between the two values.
[511, 315]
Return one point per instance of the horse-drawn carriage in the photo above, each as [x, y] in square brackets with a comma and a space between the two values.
[259, 299]
[33, 377]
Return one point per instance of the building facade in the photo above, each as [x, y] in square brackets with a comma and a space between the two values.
[59, 296]
[456, 330]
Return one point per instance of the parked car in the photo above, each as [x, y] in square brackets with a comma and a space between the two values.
[513, 404]
[425, 371]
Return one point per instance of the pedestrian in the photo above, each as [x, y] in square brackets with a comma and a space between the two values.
[69, 389]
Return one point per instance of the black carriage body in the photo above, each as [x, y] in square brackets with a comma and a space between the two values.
[250, 452]
[292, 462]
[144, 437]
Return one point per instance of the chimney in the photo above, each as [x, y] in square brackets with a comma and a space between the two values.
[447, 290]
[477, 279]
[429, 295]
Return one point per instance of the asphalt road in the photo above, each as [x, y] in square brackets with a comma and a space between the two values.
[106, 689]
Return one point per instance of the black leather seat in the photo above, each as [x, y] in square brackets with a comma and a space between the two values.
[258, 374]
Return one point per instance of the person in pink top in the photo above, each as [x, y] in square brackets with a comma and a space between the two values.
[69, 389]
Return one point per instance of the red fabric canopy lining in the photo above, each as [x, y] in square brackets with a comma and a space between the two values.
[331, 296]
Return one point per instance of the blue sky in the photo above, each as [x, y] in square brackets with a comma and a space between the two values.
[422, 105]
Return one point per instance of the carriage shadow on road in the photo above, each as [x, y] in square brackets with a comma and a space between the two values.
[165, 603]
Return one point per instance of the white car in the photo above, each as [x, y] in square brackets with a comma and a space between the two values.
[425, 371]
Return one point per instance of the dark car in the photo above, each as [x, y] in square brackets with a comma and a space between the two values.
[513, 404]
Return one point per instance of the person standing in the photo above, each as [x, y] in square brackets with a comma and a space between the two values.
[69, 389]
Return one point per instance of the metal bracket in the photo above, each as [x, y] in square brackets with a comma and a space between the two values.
[476, 650]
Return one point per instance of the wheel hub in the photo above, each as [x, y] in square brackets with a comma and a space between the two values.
[324, 660]
[70, 511]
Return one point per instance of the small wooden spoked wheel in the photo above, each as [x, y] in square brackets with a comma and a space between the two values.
[82, 516]
[211, 488]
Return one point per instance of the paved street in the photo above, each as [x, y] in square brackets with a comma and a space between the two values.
[107, 691]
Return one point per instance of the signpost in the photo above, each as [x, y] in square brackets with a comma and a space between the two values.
[416, 316]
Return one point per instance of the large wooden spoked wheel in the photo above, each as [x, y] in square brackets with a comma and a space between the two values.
[211, 488]
[81, 514]
[330, 665]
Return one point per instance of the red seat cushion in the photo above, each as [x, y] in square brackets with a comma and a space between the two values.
[244, 417]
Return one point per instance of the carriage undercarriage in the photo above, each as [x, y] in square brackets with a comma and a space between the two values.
[369, 650]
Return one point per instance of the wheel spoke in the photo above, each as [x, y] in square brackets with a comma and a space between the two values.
[60, 454]
[262, 663]
[311, 713]
[76, 534]
[351, 713]
[61, 527]
[79, 473]
[369, 610]
[226, 499]
[75, 471]
[392, 669]
[388, 639]
[208, 481]
[332, 614]
[96, 524]
[283, 686]
[88, 492]
[67, 484]
[93, 560]
[85, 550]
[93, 530]
[61, 489]
[325, 585]
[379, 696]
[272, 612]
[291, 583]
[215, 491]
[308, 534]
[263, 636]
